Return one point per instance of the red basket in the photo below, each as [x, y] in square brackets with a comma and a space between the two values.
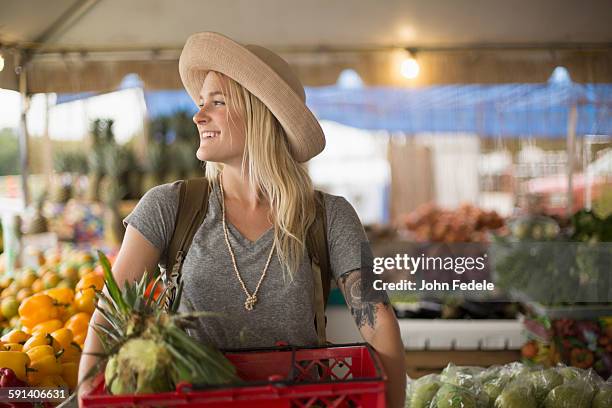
[338, 376]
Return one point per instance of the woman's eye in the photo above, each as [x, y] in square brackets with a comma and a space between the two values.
[217, 103]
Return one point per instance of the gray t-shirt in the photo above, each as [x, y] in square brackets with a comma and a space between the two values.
[284, 311]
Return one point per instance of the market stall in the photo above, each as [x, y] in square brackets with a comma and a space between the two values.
[542, 338]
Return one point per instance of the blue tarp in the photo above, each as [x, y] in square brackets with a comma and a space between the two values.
[516, 110]
[512, 110]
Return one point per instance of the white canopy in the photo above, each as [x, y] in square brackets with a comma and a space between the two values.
[78, 45]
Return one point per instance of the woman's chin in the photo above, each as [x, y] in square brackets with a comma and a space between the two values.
[202, 155]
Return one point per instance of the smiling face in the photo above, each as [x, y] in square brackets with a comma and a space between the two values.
[222, 133]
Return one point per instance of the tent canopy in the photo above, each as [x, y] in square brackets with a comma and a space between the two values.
[90, 45]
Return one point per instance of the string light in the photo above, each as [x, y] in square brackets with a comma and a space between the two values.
[409, 67]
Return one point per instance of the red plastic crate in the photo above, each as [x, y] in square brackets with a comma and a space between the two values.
[348, 375]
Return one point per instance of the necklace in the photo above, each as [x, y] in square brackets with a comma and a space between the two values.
[251, 299]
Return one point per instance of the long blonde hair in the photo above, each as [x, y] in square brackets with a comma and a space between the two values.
[271, 168]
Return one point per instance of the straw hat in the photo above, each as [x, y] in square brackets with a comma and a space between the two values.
[265, 75]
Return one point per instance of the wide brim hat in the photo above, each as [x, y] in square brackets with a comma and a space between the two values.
[263, 73]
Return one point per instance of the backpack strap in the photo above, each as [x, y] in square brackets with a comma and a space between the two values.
[316, 244]
[192, 208]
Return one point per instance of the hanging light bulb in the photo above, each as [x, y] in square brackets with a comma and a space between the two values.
[409, 67]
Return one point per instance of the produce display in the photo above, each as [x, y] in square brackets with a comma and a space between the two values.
[510, 386]
[542, 262]
[585, 343]
[147, 348]
[76, 221]
[45, 314]
[468, 223]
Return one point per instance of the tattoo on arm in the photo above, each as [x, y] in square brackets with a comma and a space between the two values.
[363, 311]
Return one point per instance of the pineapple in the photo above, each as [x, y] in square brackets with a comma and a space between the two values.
[113, 226]
[63, 188]
[38, 223]
[145, 344]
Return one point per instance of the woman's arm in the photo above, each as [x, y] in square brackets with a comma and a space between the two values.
[378, 326]
[135, 256]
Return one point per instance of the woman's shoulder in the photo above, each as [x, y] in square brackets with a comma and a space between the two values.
[163, 191]
[331, 201]
[161, 200]
[339, 209]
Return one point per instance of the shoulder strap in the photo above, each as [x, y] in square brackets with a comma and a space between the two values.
[316, 244]
[192, 208]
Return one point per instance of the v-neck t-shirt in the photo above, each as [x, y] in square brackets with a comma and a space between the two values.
[285, 307]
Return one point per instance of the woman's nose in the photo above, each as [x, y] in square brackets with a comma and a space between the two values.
[200, 116]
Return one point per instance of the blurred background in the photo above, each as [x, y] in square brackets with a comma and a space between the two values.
[446, 121]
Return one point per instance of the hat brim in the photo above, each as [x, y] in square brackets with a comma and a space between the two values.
[208, 51]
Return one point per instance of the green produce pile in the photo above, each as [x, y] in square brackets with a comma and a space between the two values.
[555, 266]
[510, 386]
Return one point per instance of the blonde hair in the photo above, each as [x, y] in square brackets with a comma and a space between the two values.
[274, 172]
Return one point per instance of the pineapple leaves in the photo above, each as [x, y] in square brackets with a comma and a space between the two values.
[136, 316]
[111, 283]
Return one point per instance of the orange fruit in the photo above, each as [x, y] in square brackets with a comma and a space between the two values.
[24, 293]
[50, 280]
[9, 307]
[69, 272]
[10, 291]
[38, 286]
[85, 301]
[5, 281]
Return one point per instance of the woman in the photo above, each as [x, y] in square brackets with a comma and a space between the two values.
[248, 258]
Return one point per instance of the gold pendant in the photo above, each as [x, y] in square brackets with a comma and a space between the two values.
[250, 302]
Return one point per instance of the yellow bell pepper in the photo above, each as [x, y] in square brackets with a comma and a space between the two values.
[63, 337]
[15, 336]
[34, 378]
[16, 361]
[66, 312]
[71, 354]
[52, 381]
[36, 353]
[78, 324]
[70, 374]
[48, 327]
[47, 364]
[39, 339]
[64, 296]
[91, 280]
[36, 309]
[13, 347]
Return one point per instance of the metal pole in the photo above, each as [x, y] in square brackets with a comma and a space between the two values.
[23, 134]
[48, 146]
[571, 156]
